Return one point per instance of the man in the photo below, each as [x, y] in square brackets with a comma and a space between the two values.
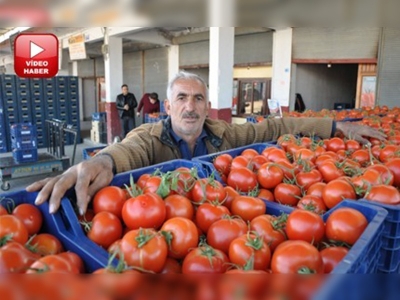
[150, 104]
[185, 134]
[126, 104]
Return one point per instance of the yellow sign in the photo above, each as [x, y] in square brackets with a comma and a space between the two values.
[76, 47]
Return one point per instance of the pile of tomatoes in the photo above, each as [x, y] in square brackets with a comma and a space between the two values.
[175, 223]
[24, 249]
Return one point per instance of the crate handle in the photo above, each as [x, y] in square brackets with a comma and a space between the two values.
[69, 220]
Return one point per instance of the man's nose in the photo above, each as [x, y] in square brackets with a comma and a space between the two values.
[191, 104]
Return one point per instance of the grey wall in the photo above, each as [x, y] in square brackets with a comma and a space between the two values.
[321, 86]
[194, 53]
[156, 71]
[253, 48]
[132, 72]
[335, 43]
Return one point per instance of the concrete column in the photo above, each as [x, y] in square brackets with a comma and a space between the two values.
[221, 72]
[281, 66]
[113, 70]
[173, 61]
[74, 68]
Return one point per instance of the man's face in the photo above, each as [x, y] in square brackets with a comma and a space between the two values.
[125, 90]
[188, 107]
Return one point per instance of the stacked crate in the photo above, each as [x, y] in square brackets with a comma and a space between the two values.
[38, 110]
[23, 142]
[10, 108]
[73, 107]
[23, 92]
[62, 101]
[3, 135]
[98, 133]
[49, 98]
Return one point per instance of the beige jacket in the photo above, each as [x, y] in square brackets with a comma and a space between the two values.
[151, 143]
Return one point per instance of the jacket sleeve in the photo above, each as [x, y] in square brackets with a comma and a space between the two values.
[134, 102]
[141, 103]
[120, 104]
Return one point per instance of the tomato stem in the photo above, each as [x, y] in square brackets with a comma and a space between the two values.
[143, 238]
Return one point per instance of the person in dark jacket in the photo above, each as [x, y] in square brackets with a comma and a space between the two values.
[186, 133]
[299, 105]
[149, 103]
[126, 104]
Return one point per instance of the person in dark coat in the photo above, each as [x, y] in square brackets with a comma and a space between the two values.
[126, 104]
[299, 105]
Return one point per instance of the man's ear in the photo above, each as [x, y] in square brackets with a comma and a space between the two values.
[167, 106]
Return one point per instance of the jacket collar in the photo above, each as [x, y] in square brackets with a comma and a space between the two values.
[214, 133]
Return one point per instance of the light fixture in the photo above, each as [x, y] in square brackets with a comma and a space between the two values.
[329, 65]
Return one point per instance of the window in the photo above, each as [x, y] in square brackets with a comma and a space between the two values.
[250, 96]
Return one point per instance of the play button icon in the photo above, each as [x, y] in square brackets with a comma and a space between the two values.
[36, 55]
[35, 49]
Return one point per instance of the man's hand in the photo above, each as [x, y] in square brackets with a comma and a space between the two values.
[138, 114]
[88, 177]
[359, 132]
[126, 107]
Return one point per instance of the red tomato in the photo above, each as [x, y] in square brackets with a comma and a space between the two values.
[345, 225]
[285, 139]
[208, 189]
[207, 213]
[316, 189]
[329, 170]
[15, 258]
[265, 195]
[289, 169]
[312, 203]
[332, 256]
[3, 211]
[270, 228]
[257, 161]
[240, 162]
[394, 167]
[111, 199]
[385, 194]
[304, 154]
[352, 145]
[296, 257]
[145, 249]
[152, 184]
[52, 264]
[306, 226]
[385, 174]
[249, 153]
[12, 226]
[305, 179]
[106, 228]
[361, 156]
[274, 154]
[205, 260]
[146, 211]
[242, 179]
[231, 193]
[222, 232]
[181, 236]
[335, 144]
[178, 206]
[336, 191]
[141, 182]
[46, 244]
[222, 163]
[171, 266]
[30, 215]
[74, 259]
[287, 194]
[269, 175]
[248, 207]
[250, 246]
[388, 153]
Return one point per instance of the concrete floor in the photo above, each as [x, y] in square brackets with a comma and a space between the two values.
[21, 183]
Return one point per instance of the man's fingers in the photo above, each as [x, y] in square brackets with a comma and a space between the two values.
[64, 182]
[36, 186]
[47, 187]
[81, 189]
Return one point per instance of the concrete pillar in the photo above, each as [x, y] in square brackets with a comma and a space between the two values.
[221, 72]
[281, 66]
[173, 61]
[113, 69]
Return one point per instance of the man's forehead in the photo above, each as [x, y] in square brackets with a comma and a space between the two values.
[188, 86]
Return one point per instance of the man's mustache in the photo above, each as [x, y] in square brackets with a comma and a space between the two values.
[191, 115]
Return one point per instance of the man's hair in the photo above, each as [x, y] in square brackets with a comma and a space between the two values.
[186, 76]
[124, 85]
[153, 96]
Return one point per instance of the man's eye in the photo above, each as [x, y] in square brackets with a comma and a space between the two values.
[199, 98]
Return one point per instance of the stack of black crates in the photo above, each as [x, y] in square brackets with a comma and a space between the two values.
[35, 100]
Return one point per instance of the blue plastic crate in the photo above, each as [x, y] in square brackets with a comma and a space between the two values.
[87, 151]
[57, 224]
[25, 155]
[98, 256]
[148, 119]
[390, 238]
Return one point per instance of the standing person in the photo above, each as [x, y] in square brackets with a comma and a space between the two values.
[126, 104]
[299, 104]
[186, 133]
[149, 103]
